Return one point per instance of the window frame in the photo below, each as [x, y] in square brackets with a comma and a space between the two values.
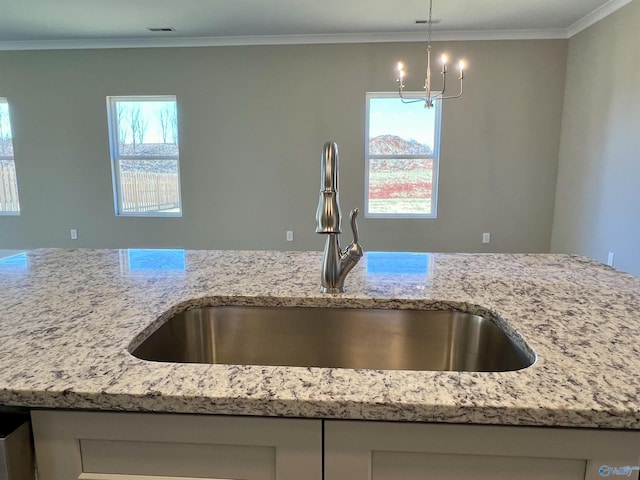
[114, 151]
[12, 159]
[435, 157]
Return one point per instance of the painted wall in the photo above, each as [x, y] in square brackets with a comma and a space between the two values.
[598, 195]
[252, 124]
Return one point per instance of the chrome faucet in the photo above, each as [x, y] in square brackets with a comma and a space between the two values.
[336, 263]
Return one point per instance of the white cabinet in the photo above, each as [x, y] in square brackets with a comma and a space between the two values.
[137, 446]
[128, 446]
[404, 451]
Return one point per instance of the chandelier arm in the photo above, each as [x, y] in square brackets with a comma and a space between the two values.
[455, 96]
[461, 87]
[405, 100]
[441, 96]
[451, 96]
[412, 101]
[415, 100]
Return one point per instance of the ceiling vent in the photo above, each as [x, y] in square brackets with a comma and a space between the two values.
[161, 29]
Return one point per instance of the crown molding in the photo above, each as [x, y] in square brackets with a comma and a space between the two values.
[390, 37]
[167, 42]
[466, 35]
[595, 16]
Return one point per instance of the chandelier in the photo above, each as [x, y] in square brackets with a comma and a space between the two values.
[429, 96]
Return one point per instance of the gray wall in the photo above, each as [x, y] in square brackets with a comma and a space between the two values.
[598, 195]
[252, 124]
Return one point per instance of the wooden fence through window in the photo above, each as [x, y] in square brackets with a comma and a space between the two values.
[142, 192]
[147, 192]
[8, 188]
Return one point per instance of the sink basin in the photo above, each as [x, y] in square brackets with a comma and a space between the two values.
[335, 338]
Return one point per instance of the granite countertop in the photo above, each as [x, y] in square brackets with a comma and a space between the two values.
[68, 318]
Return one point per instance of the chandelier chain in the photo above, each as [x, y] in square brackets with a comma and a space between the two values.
[430, 21]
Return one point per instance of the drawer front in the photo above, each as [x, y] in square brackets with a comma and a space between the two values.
[409, 451]
[106, 446]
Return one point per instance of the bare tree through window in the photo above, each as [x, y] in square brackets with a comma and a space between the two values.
[137, 125]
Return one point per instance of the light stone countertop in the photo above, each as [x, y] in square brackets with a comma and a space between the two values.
[68, 318]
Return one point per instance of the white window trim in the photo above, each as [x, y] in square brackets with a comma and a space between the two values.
[114, 146]
[435, 157]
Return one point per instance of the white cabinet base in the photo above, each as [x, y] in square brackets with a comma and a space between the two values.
[137, 446]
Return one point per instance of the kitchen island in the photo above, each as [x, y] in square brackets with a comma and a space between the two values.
[71, 317]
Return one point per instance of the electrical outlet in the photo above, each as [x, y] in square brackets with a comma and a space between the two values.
[486, 237]
[610, 259]
[289, 235]
[74, 234]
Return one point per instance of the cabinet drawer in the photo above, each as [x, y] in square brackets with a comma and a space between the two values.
[408, 451]
[93, 445]
[172, 459]
[433, 466]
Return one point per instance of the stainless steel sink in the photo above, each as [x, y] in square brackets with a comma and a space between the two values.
[335, 338]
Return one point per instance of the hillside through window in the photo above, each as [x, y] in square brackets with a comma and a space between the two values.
[143, 133]
[401, 157]
[9, 202]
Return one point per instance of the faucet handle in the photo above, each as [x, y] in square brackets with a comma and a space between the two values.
[354, 225]
[353, 251]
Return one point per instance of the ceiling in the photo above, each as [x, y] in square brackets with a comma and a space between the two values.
[41, 24]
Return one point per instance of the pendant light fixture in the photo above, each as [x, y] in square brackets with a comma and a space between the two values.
[429, 96]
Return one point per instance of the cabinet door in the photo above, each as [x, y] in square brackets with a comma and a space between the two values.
[123, 446]
[407, 451]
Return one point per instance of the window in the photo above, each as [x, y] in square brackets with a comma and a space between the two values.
[401, 157]
[143, 134]
[9, 202]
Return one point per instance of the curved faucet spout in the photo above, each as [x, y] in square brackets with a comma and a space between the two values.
[336, 264]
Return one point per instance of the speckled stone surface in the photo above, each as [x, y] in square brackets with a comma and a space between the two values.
[68, 319]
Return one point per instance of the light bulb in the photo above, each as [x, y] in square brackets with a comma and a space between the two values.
[444, 59]
[461, 65]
